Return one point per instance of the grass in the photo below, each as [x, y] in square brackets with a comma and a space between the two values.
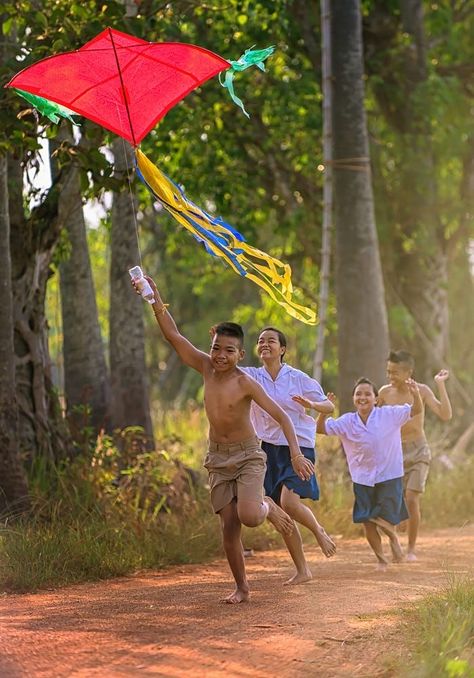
[37, 555]
[439, 634]
[110, 513]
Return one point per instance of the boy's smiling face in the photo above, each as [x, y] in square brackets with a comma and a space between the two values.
[398, 373]
[226, 352]
[364, 398]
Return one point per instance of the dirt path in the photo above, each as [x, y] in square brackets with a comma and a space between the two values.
[169, 623]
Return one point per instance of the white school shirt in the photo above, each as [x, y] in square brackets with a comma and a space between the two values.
[374, 449]
[289, 382]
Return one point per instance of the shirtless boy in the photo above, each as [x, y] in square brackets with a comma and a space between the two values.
[416, 453]
[235, 461]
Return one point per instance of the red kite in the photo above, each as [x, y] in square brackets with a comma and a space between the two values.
[126, 85]
[121, 82]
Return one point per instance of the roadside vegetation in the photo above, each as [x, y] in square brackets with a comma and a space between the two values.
[439, 634]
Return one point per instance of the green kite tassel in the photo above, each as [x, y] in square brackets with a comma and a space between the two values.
[251, 57]
[48, 108]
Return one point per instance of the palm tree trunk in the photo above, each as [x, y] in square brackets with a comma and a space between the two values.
[362, 318]
[129, 398]
[85, 372]
[327, 188]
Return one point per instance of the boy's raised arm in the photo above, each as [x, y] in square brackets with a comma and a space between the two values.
[442, 407]
[188, 353]
[303, 467]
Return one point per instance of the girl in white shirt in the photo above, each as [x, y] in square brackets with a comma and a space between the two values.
[372, 443]
[282, 483]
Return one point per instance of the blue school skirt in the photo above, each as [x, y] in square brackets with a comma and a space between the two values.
[280, 472]
[384, 500]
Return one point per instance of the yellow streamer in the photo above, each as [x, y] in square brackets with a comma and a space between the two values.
[267, 272]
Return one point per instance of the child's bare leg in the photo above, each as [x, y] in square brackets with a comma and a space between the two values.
[231, 528]
[292, 504]
[412, 499]
[294, 544]
[391, 532]
[280, 520]
[373, 537]
[251, 513]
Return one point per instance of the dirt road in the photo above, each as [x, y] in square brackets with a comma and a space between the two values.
[170, 623]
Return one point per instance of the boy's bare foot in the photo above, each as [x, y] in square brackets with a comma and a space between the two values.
[411, 557]
[328, 547]
[238, 596]
[390, 530]
[280, 520]
[299, 578]
[397, 551]
[382, 567]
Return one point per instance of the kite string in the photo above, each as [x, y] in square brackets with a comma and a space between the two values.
[132, 201]
[130, 191]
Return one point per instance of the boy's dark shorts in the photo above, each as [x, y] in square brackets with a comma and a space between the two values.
[236, 470]
[416, 462]
[384, 500]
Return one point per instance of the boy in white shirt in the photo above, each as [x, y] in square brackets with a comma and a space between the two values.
[372, 443]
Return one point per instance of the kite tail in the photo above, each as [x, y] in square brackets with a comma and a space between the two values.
[222, 240]
[50, 109]
[251, 57]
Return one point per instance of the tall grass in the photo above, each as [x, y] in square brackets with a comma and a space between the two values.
[96, 518]
[440, 634]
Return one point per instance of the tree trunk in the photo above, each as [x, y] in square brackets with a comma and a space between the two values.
[129, 397]
[327, 188]
[43, 432]
[417, 275]
[13, 484]
[362, 320]
[422, 270]
[85, 372]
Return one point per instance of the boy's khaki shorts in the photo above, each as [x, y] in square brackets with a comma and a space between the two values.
[235, 470]
[416, 462]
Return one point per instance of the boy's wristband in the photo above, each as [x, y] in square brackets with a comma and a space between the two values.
[296, 456]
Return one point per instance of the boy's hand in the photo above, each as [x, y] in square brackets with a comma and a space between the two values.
[412, 386]
[301, 400]
[304, 468]
[150, 280]
[152, 285]
[441, 376]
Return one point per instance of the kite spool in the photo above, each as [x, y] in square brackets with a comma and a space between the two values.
[142, 284]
